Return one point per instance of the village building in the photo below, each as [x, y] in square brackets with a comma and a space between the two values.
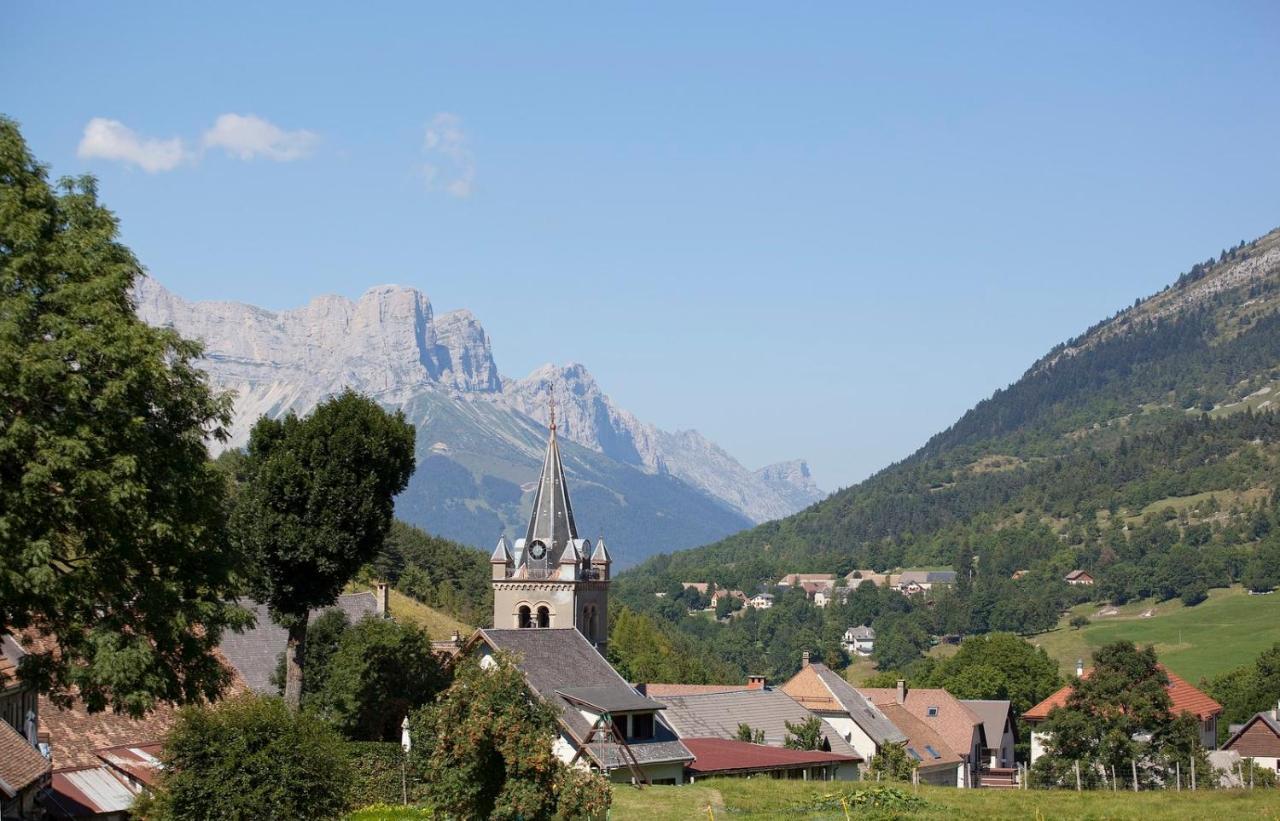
[1259, 739]
[797, 579]
[725, 758]
[550, 615]
[936, 762]
[761, 601]
[859, 641]
[911, 582]
[24, 769]
[719, 715]
[255, 653]
[856, 578]
[826, 694]
[1183, 697]
[960, 729]
[721, 593]
[998, 729]
[1078, 577]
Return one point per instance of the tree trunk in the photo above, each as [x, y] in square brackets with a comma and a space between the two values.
[293, 664]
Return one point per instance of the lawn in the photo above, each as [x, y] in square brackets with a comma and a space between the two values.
[1229, 629]
[762, 798]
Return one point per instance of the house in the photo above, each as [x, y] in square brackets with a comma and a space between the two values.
[797, 579]
[922, 581]
[24, 770]
[856, 578]
[255, 653]
[824, 693]
[720, 757]
[1183, 697]
[960, 729]
[860, 641]
[1078, 577]
[718, 715]
[599, 713]
[998, 729]
[936, 762]
[1259, 739]
[820, 593]
[721, 593]
[762, 601]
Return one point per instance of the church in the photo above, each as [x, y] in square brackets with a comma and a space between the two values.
[551, 613]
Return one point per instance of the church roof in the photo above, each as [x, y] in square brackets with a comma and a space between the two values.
[501, 553]
[601, 554]
[565, 670]
[552, 519]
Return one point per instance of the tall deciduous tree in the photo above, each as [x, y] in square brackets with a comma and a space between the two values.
[111, 515]
[315, 505]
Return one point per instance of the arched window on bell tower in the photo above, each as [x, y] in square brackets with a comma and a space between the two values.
[544, 616]
[524, 617]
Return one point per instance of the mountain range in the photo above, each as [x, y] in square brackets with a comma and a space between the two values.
[1147, 416]
[480, 435]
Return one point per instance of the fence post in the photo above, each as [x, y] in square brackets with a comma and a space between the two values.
[1077, 776]
[1177, 768]
[1133, 762]
[1193, 773]
[1114, 785]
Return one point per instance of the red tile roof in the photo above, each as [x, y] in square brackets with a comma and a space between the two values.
[20, 763]
[720, 755]
[1184, 698]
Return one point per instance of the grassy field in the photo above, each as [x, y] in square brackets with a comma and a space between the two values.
[1229, 629]
[761, 798]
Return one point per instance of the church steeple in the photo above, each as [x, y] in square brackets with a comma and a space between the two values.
[552, 519]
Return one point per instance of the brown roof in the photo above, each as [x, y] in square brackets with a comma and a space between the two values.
[20, 764]
[1184, 698]
[921, 739]
[139, 761]
[658, 690]
[807, 688]
[722, 755]
[1260, 736]
[954, 721]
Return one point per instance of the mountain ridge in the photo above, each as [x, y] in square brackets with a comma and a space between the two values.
[390, 344]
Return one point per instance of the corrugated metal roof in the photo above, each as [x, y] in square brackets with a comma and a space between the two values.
[85, 792]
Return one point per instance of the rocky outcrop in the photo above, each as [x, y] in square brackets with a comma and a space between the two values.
[390, 345]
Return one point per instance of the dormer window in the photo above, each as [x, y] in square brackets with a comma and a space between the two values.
[933, 712]
[642, 726]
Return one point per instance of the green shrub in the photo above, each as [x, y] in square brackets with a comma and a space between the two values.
[250, 757]
[376, 775]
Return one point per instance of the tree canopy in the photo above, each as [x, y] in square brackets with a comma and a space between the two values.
[316, 505]
[112, 520]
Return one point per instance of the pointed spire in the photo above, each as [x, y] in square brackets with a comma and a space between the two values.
[601, 554]
[501, 553]
[552, 519]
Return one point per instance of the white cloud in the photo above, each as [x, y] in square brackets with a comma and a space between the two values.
[449, 166]
[247, 136]
[113, 140]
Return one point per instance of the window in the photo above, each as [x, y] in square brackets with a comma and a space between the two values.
[912, 752]
[544, 616]
[525, 617]
[933, 712]
[642, 726]
[928, 748]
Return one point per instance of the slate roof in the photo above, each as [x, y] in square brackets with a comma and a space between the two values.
[927, 577]
[551, 521]
[717, 715]
[21, 765]
[993, 714]
[609, 699]
[862, 632]
[818, 687]
[559, 659]
[1184, 698]
[659, 690]
[255, 653]
[720, 755]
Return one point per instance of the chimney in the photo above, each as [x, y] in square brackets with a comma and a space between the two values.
[902, 691]
[383, 597]
[1079, 668]
[755, 682]
[804, 659]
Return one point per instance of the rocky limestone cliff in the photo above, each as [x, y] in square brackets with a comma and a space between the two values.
[390, 345]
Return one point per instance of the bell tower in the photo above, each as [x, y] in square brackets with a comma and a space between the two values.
[551, 578]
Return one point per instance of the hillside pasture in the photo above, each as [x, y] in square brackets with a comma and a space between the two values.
[1227, 630]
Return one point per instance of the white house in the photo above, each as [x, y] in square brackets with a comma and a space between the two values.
[860, 641]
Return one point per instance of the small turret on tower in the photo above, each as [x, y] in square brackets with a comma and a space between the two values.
[501, 561]
[600, 560]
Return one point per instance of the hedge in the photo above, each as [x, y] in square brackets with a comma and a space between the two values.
[376, 774]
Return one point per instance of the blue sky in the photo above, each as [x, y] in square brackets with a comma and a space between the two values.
[820, 231]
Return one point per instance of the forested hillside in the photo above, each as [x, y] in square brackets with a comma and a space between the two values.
[1144, 451]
